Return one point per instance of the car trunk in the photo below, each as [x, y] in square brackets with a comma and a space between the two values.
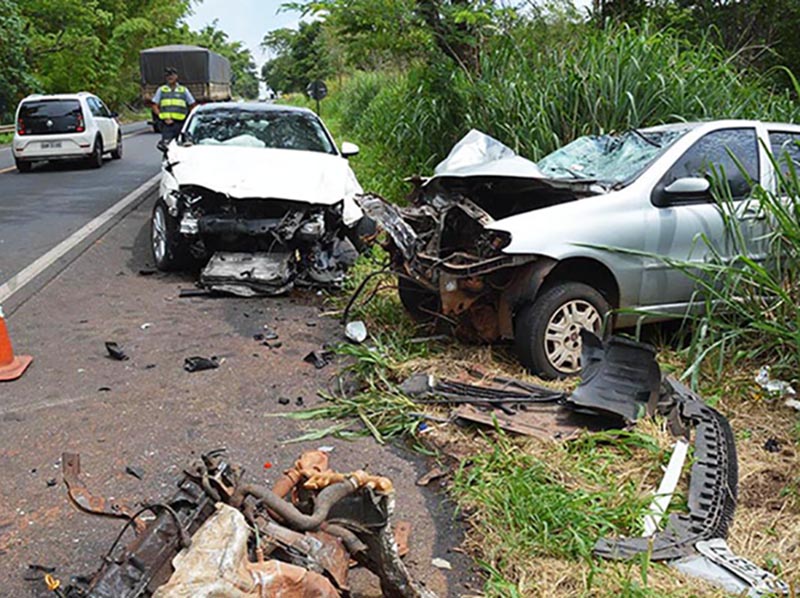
[50, 117]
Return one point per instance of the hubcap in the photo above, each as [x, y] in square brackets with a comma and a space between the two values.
[562, 337]
[159, 235]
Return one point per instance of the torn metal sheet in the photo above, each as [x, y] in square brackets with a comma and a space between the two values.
[249, 274]
[716, 564]
[85, 500]
[619, 376]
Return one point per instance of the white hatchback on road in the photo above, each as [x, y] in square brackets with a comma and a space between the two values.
[65, 126]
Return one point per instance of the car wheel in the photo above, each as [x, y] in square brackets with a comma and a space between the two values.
[422, 304]
[116, 153]
[96, 159]
[169, 251]
[23, 166]
[547, 331]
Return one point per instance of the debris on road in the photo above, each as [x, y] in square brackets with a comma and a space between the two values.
[199, 364]
[777, 388]
[136, 472]
[356, 332]
[442, 564]
[115, 351]
[221, 535]
[319, 359]
[772, 445]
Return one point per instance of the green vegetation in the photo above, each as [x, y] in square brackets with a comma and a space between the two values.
[52, 46]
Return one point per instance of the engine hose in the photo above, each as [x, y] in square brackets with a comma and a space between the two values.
[288, 512]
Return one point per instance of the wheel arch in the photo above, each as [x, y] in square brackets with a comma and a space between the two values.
[587, 270]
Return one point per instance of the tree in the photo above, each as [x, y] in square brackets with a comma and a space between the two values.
[15, 76]
[244, 77]
[300, 57]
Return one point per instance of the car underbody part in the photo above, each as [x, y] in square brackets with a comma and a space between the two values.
[222, 537]
[620, 377]
[249, 274]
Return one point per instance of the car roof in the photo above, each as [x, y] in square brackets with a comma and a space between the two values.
[58, 96]
[252, 107]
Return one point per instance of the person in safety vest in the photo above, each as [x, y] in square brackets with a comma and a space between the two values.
[172, 104]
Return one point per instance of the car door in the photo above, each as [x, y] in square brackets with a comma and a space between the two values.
[113, 125]
[691, 228]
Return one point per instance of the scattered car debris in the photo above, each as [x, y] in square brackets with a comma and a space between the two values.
[199, 364]
[146, 325]
[283, 400]
[442, 564]
[666, 489]
[115, 351]
[269, 334]
[220, 535]
[772, 445]
[777, 388]
[136, 472]
[356, 332]
[434, 473]
[319, 359]
[184, 293]
[147, 271]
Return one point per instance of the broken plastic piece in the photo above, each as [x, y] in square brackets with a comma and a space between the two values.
[620, 377]
[249, 274]
[660, 503]
[356, 332]
[717, 564]
[115, 351]
[198, 364]
[319, 359]
[777, 388]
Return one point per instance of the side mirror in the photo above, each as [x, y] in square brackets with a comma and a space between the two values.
[349, 149]
[689, 186]
[114, 115]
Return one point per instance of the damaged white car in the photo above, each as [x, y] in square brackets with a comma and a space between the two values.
[503, 248]
[263, 195]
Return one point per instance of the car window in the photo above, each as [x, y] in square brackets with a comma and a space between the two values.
[786, 149]
[280, 129]
[94, 107]
[104, 109]
[710, 157]
[41, 117]
[611, 160]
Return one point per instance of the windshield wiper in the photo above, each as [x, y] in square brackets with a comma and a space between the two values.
[645, 138]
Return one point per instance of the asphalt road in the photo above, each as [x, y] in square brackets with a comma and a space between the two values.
[40, 209]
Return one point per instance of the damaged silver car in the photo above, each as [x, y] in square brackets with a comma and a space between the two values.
[262, 195]
[504, 248]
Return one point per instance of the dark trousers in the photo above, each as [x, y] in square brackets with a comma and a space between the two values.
[170, 132]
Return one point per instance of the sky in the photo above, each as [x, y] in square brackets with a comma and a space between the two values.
[245, 20]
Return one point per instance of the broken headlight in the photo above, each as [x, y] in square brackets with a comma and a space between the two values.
[312, 229]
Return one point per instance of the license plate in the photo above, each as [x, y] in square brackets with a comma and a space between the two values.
[51, 144]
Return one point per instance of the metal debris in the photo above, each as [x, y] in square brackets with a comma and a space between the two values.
[198, 364]
[224, 536]
[319, 359]
[115, 351]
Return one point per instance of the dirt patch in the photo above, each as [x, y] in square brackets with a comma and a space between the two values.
[764, 490]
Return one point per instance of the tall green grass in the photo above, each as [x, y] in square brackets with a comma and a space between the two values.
[536, 92]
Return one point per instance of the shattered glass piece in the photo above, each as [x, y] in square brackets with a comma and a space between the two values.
[356, 331]
[115, 351]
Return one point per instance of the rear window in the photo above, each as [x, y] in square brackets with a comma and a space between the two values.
[46, 117]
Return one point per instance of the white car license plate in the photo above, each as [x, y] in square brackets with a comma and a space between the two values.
[51, 144]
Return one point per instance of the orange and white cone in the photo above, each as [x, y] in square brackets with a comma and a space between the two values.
[11, 367]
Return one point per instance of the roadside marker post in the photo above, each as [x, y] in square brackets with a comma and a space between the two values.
[11, 367]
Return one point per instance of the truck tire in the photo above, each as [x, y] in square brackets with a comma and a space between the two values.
[547, 331]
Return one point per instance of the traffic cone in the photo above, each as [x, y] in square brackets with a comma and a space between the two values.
[11, 367]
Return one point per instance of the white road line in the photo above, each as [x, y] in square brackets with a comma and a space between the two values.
[24, 277]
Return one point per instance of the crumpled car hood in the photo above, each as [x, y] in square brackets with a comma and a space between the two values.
[243, 172]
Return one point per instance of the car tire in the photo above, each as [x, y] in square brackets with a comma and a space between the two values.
[547, 331]
[96, 159]
[168, 249]
[116, 153]
[23, 166]
[420, 303]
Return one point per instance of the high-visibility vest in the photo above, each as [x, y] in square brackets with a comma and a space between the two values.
[173, 103]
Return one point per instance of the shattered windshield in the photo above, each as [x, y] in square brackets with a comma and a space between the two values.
[610, 160]
[266, 129]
